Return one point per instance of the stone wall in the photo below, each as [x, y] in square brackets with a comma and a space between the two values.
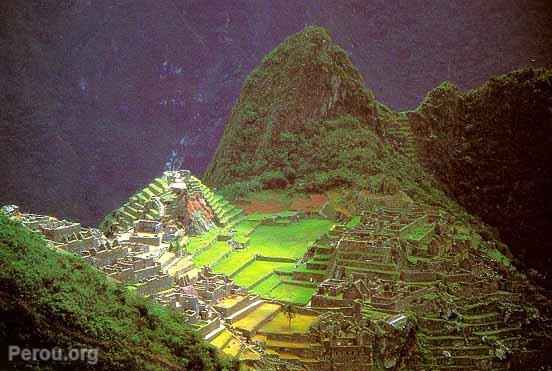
[146, 240]
[154, 284]
[57, 230]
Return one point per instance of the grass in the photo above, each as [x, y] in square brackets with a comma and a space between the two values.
[417, 233]
[292, 294]
[197, 242]
[270, 195]
[181, 264]
[232, 348]
[257, 270]
[245, 227]
[229, 302]
[254, 318]
[222, 339]
[212, 254]
[498, 256]
[280, 324]
[233, 262]
[290, 241]
[258, 217]
[267, 285]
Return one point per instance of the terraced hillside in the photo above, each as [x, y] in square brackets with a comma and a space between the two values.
[269, 260]
[445, 299]
[145, 204]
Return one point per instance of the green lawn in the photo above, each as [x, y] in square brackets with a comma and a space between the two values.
[281, 325]
[256, 271]
[353, 222]
[212, 254]
[417, 233]
[290, 241]
[245, 227]
[292, 294]
[498, 256]
[267, 285]
[197, 242]
[233, 262]
[257, 316]
[258, 217]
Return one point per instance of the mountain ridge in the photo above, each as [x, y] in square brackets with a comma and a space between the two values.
[346, 146]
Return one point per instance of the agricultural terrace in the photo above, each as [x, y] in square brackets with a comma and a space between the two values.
[280, 241]
[290, 241]
[257, 317]
[280, 324]
[212, 254]
[257, 270]
[291, 293]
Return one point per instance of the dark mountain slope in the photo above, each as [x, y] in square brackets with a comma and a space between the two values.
[306, 79]
[491, 148]
[50, 299]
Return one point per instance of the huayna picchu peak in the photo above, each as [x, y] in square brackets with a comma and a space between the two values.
[329, 232]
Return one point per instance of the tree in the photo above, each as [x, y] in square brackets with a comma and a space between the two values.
[290, 312]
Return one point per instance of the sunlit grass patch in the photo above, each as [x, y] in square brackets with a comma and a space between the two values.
[280, 324]
[290, 241]
[253, 319]
[292, 294]
[257, 270]
[212, 254]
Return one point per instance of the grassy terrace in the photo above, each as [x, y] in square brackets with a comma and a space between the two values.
[233, 262]
[256, 317]
[291, 293]
[418, 233]
[212, 254]
[277, 241]
[222, 339]
[291, 241]
[267, 285]
[245, 227]
[353, 222]
[197, 242]
[280, 324]
[257, 270]
[232, 348]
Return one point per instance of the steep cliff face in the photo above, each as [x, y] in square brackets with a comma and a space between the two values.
[491, 150]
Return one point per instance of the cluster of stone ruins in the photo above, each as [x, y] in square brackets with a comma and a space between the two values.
[372, 280]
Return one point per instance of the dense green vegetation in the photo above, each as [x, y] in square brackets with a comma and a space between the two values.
[51, 299]
[305, 79]
[490, 149]
[305, 121]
